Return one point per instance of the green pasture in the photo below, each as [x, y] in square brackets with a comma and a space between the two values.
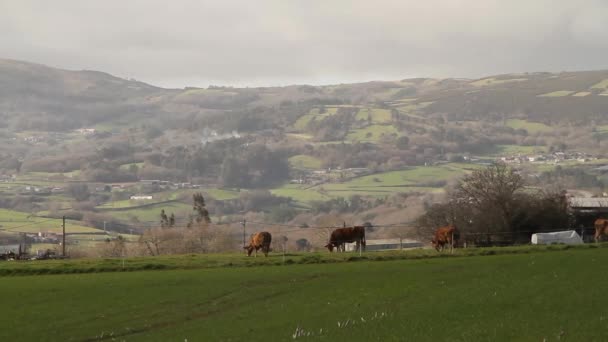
[222, 194]
[601, 85]
[302, 161]
[519, 149]
[558, 93]
[300, 136]
[372, 133]
[302, 123]
[494, 81]
[531, 127]
[414, 107]
[511, 294]
[300, 193]
[378, 115]
[150, 213]
[16, 221]
[387, 183]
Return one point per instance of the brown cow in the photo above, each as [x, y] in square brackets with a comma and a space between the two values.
[443, 236]
[259, 240]
[341, 236]
[601, 228]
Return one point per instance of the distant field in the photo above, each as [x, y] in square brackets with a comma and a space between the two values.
[151, 213]
[494, 81]
[372, 133]
[302, 123]
[222, 194]
[299, 193]
[582, 93]
[383, 184]
[415, 106]
[558, 93]
[531, 127]
[601, 85]
[518, 149]
[16, 221]
[303, 161]
[300, 136]
[377, 115]
[534, 296]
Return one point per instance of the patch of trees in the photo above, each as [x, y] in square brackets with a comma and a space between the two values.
[353, 204]
[571, 178]
[492, 205]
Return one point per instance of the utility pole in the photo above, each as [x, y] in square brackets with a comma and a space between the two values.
[244, 223]
[104, 227]
[63, 238]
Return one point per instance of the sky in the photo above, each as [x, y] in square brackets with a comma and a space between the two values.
[182, 43]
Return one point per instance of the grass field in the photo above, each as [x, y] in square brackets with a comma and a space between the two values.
[534, 296]
[383, 184]
[558, 93]
[151, 213]
[16, 221]
[601, 85]
[302, 161]
[519, 149]
[302, 122]
[531, 127]
[299, 193]
[494, 81]
[372, 133]
[377, 115]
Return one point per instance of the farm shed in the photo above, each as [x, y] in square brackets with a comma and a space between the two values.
[585, 210]
[568, 237]
[386, 244]
[9, 248]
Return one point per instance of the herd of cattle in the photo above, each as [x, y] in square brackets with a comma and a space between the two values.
[443, 237]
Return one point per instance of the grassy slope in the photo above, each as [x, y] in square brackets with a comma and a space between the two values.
[302, 161]
[531, 127]
[16, 221]
[500, 298]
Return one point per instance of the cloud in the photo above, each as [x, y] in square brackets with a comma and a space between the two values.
[179, 43]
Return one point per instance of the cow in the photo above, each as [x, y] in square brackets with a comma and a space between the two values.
[259, 240]
[601, 228]
[340, 236]
[445, 235]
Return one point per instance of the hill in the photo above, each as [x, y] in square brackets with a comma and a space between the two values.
[82, 143]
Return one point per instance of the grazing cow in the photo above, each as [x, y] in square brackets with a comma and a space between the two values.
[259, 240]
[601, 228]
[341, 236]
[444, 235]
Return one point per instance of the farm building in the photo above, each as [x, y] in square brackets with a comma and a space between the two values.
[9, 248]
[386, 244]
[585, 210]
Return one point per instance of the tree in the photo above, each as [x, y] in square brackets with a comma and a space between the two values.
[166, 222]
[402, 143]
[79, 191]
[200, 213]
[492, 190]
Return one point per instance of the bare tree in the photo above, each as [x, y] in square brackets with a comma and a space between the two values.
[491, 190]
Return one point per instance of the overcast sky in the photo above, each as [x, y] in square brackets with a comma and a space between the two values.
[257, 42]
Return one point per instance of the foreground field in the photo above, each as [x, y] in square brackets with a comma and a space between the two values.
[530, 297]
